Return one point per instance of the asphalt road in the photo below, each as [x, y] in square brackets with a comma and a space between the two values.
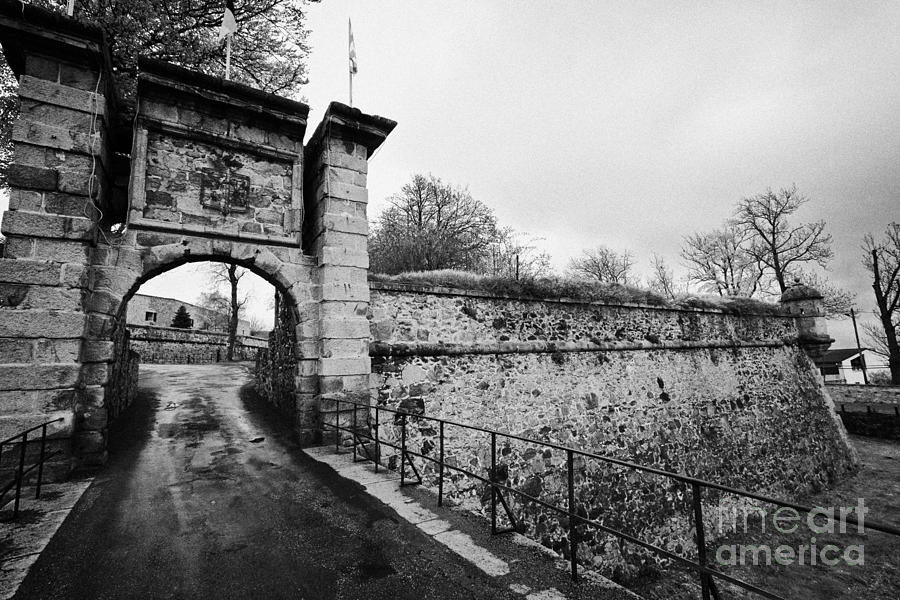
[207, 496]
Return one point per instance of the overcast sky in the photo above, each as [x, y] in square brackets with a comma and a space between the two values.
[628, 124]
[631, 124]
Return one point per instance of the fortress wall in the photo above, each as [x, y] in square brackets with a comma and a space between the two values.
[724, 397]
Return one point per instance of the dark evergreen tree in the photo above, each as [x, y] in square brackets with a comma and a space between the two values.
[182, 319]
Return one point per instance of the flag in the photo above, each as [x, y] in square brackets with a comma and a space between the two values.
[229, 25]
[354, 68]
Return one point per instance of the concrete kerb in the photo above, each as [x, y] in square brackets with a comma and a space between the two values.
[452, 529]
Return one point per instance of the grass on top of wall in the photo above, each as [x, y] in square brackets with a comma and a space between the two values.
[563, 287]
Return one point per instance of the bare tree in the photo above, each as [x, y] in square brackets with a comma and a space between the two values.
[662, 281]
[220, 306]
[514, 255]
[603, 264]
[719, 261]
[882, 260]
[876, 339]
[432, 225]
[230, 275]
[837, 302]
[257, 324]
[775, 243]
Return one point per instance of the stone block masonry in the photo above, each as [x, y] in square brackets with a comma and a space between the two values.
[58, 186]
[729, 398]
[220, 165]
[335, 231]
[214, 171]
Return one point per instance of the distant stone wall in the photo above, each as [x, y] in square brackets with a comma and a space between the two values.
[888, 395]
[729, 398]
[169, 345]
[872, 410]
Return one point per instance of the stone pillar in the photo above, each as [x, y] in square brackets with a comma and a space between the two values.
[57, 185]
[336, 233]
[806, 305]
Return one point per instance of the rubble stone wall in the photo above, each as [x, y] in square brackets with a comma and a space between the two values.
[170, 345]
[728, 398]
[58, 181]
[888, 395]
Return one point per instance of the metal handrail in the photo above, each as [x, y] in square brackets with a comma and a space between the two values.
[706, 573]
[21, 470]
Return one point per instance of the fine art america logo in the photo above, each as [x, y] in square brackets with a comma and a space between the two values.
[806, 550]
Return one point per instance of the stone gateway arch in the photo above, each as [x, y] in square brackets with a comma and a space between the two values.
[101, 200]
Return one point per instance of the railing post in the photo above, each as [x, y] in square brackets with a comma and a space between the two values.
[377, 443]
[337, 425]
[403, 449]
[353, 438]
[441, 466]
[701, 538]
[37, 491]
[19, 475]
[573, 532]
[493, 476]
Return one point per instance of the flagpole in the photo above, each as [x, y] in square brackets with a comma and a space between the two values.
[350, 49]
[228, 58]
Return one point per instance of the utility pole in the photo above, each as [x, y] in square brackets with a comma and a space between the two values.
[862, 358]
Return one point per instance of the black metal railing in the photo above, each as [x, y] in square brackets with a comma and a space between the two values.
[21, 470]
[707, 575]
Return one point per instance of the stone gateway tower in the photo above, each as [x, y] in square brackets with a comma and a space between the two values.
[103, 199]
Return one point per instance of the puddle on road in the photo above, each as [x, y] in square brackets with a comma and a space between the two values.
[374, 570]
[167, 430]
[194, 418]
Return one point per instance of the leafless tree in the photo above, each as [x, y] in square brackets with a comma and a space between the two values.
[837, 302]
[662, 280]
[603, 264]
[258, 324]
[230, 275]
[876, 340]
[220, 306]
[432, 225]
[515, 255]
[774, 242]
[882, 260]
[719, 261]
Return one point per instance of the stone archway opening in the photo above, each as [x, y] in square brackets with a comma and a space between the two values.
[179, 316]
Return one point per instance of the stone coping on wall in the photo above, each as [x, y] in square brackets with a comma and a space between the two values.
[216, 89]
[55, 31]
[542, 347]
[448, 291]
[346, 122]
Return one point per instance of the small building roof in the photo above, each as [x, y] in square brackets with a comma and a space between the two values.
[838, 355]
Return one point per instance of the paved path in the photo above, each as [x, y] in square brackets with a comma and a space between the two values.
[207, 496]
